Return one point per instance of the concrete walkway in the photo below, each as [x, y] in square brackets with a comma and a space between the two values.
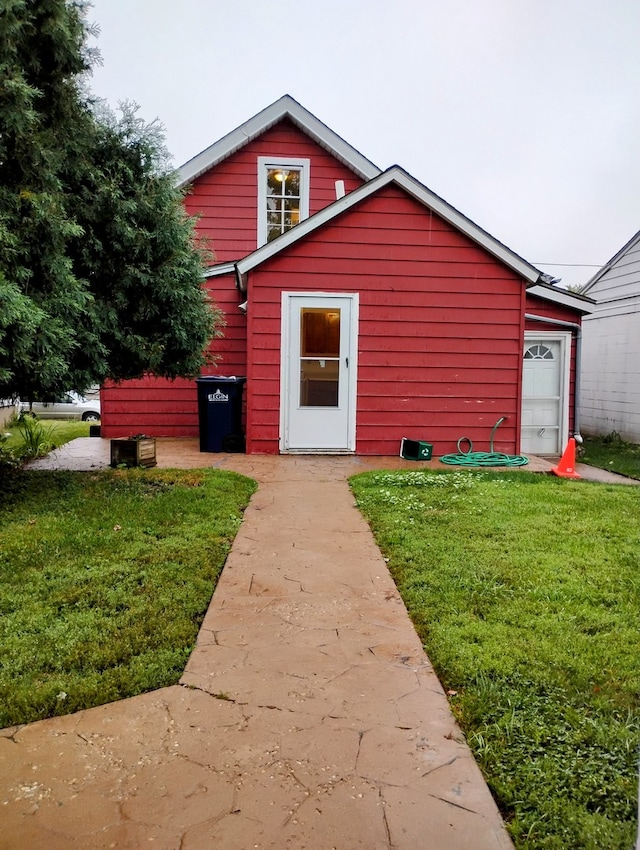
[308, 715]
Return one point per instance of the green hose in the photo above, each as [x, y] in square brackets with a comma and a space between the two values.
[490, 458]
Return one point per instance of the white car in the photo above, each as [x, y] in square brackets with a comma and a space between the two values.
[65, 406]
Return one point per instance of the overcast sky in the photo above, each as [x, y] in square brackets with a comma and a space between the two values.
[523, 114]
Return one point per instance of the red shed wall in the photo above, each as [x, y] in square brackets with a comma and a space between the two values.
[440, 336]
[538, 307]
[161, 408]
[226, 197]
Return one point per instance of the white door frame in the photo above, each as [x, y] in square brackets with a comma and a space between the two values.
[565, 340]
[286, 389]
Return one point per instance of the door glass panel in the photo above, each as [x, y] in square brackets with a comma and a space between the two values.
[319, 383]
[320, 332]
[319, 357]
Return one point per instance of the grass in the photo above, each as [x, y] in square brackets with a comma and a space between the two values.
[104, 581]
[525, 591]
[612, 453]
[27, 438]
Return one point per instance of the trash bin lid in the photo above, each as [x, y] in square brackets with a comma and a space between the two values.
[229, 379]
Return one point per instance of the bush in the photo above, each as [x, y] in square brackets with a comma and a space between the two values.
[37, 439]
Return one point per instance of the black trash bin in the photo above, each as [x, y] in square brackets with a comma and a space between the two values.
[220, 413]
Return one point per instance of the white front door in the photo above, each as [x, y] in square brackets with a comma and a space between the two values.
[318, 376]
[545, 393]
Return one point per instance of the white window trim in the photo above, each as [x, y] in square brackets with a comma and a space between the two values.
[264, 164]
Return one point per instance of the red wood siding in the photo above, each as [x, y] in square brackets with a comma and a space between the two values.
[226, 197]
[151, 406]
[539, 307]
[440, 336]
[161, 408]
[441, 320]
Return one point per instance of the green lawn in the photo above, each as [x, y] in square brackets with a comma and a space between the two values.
[104, 581]
[611, 453]
[525, 590]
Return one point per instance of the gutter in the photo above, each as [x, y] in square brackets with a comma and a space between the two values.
[576, 391]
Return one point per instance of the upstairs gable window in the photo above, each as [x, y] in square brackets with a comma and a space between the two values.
[283, 195]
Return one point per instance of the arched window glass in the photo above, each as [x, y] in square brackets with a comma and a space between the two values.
[538, 352]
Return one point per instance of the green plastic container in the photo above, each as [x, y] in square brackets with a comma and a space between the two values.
[415, 450]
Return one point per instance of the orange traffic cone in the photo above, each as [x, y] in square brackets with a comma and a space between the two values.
[567, 466]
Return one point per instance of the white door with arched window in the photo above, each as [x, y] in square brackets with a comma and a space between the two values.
[545, 393]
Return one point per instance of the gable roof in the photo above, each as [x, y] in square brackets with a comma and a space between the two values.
[612, 262]
[285, 107]
[394, 175]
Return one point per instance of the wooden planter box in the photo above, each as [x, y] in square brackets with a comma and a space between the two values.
[133, 452]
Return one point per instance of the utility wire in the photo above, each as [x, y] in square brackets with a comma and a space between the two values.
[573, 265]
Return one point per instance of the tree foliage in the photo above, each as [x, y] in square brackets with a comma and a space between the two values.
[100, 268]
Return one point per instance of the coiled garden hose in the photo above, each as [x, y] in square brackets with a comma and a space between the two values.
[490, 458]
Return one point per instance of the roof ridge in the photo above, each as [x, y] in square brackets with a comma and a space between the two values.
[610, 263]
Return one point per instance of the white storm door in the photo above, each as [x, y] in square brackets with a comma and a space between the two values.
[319, 351]
[545, 387]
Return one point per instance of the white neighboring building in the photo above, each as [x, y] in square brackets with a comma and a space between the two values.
[610, 374]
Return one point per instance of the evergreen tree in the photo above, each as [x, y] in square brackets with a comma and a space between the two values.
[100, 270]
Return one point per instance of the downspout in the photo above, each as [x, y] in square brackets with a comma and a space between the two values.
[241, 279]
[241, 286]
[576, 389]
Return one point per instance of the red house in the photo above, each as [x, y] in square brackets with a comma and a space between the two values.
[362, 308]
